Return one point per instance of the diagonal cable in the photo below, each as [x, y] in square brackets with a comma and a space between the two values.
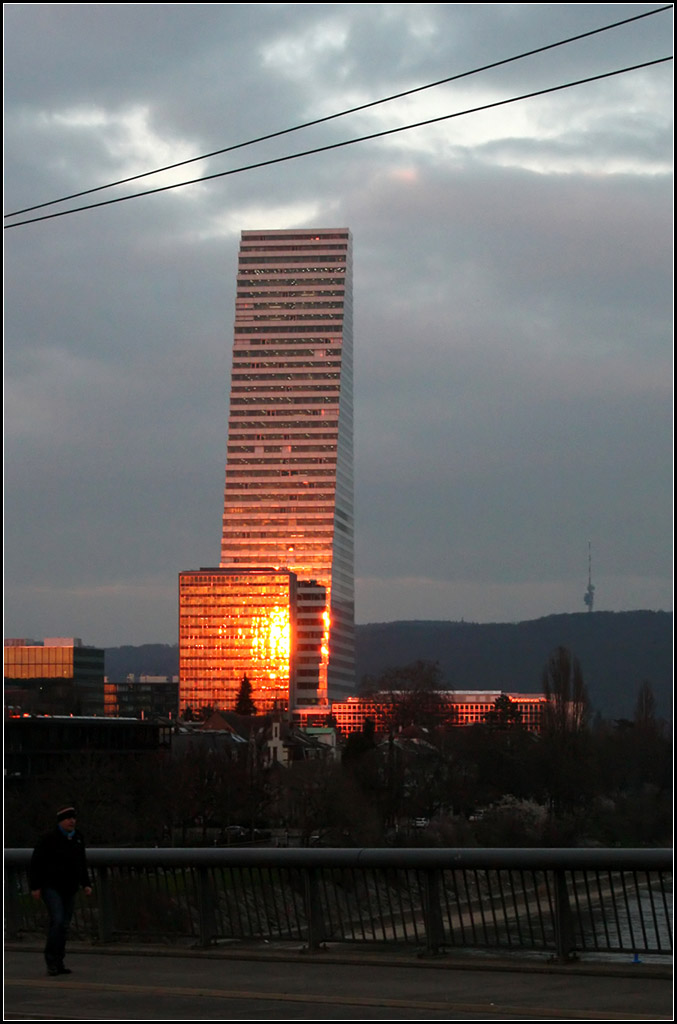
[342, 113]
[346, 142]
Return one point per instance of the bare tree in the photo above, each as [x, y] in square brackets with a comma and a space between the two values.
[645, 708]
[566, 693]
[567, 774]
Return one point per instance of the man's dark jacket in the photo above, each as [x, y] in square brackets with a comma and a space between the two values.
[59, 862]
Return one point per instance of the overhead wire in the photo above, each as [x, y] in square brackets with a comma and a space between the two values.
[322, 120]
[340, 145]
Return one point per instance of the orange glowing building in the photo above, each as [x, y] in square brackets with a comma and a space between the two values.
[289, 473]
[232, 623]
[467, 707]
[57, 676]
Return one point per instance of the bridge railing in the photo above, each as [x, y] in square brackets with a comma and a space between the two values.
[559, 902]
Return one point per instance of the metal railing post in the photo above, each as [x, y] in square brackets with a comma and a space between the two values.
[313, 909]
[564, 921]
[206, 916]
[13, 916]
[432, 912]
[104, 898]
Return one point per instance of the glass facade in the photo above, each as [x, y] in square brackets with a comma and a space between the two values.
[234, 623]
[57, 677]
[289, 473]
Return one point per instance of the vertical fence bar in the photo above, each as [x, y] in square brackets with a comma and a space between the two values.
[469, 897]
[245, 876]
[614, 905]
[564, 928]
[667, 915]
[205, 908]
[388, 900]
[479, 903]
[297, 902]
[492, 902]
[258, 902]
[628, 916]
[363, 904]
[539, 908]
[417, 905]
[517, 910]
[358, 887]
[459, 908]
[549, 885]
[592, 925]
[271, 903]
[652, 905]
[642, 921]
[504, 907]
[287, 897]
[400, 882]
[527, 886]
[104, 896]
[446, 910]
[332, 903]
[237, 885]
[378, 884]
[601, 897]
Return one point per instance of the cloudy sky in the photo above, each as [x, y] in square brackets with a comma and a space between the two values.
[513, 319]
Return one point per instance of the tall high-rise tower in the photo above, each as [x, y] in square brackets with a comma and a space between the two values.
[289, 472]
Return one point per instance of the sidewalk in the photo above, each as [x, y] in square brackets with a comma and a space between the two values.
[148, 983]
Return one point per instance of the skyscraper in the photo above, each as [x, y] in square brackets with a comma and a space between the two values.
[289, 474]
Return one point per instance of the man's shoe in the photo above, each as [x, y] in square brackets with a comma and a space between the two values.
[53, 971]
[63, 970]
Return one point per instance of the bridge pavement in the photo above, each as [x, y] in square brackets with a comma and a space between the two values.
[147, 983]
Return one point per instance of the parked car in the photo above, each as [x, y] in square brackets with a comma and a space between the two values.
[235, 833]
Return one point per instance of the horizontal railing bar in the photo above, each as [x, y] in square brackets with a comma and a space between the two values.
[563, 858]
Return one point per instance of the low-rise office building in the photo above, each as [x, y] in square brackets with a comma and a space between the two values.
[143, 696]
[454, 708]
[54, 676]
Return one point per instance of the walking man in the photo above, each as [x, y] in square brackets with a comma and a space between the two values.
[58, 869]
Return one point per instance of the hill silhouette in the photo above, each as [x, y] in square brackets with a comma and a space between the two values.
[617, 650]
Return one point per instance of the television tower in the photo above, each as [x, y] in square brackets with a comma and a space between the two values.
[589, 595]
